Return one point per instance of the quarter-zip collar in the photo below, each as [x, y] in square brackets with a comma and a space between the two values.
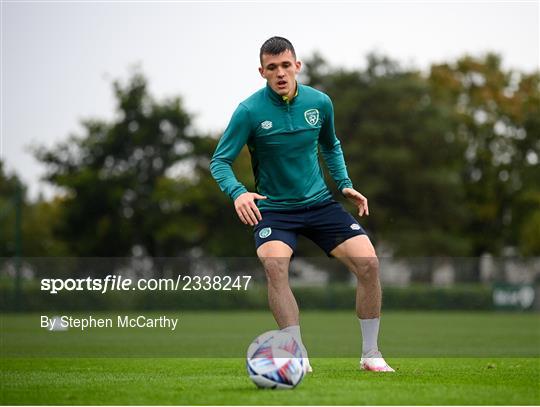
[277, 98]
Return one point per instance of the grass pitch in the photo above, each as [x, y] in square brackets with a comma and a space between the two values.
[424, 381]
[508, 373]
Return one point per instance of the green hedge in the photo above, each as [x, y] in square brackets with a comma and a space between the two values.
[336, 296]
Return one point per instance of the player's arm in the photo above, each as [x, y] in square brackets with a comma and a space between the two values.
[231, 143]
[333, 157]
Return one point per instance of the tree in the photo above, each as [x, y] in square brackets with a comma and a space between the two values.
[499, 121]
[141, 184]
[10, 188]
[37, 221]
[196, 210]
[110, 174]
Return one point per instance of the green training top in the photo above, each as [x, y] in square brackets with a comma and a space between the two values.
[283, 138]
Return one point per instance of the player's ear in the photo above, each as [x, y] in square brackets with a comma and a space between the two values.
[261, 71]
[298, 65]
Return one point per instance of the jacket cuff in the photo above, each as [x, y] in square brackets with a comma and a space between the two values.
[345, 184]
[237, 192]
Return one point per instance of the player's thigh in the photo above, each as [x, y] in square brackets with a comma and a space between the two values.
[356, 246]
[274, 248]
[358, 251]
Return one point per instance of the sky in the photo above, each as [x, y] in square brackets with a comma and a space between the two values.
[58, 59]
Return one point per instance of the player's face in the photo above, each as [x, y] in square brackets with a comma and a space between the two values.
[280, 72]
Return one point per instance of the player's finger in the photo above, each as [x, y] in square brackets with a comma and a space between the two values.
[362, 204]
[257, 196]
[361, 210]
[245, 215]
[251, 216]
[256, 210]
[241, 216]
[365, 205]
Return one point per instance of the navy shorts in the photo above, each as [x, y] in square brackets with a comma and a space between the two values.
[327, 224]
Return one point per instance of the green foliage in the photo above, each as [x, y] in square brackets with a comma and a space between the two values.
[498, 120]
[9, 188]
[141, 184]
[38, 220]
[111, 175]
[199, 213]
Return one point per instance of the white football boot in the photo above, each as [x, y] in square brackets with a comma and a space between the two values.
[374, 362]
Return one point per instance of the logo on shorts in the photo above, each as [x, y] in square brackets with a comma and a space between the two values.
[267, 124]
[355, 226]
[265, 232]
[312, 116]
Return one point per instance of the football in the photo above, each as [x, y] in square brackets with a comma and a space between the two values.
[274, 360]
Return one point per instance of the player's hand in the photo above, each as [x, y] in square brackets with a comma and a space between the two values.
[246, 209]
[358, 199]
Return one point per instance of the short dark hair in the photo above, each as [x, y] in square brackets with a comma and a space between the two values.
[275, 46]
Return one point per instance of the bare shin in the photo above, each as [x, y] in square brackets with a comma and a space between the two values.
[368, 288]
[276, 259]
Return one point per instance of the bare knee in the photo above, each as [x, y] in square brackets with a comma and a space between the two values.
[276, 269]
[366, 269]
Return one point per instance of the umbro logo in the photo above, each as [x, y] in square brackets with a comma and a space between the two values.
[267, 124]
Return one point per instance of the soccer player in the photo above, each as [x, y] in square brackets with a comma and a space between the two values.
[285, 125]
